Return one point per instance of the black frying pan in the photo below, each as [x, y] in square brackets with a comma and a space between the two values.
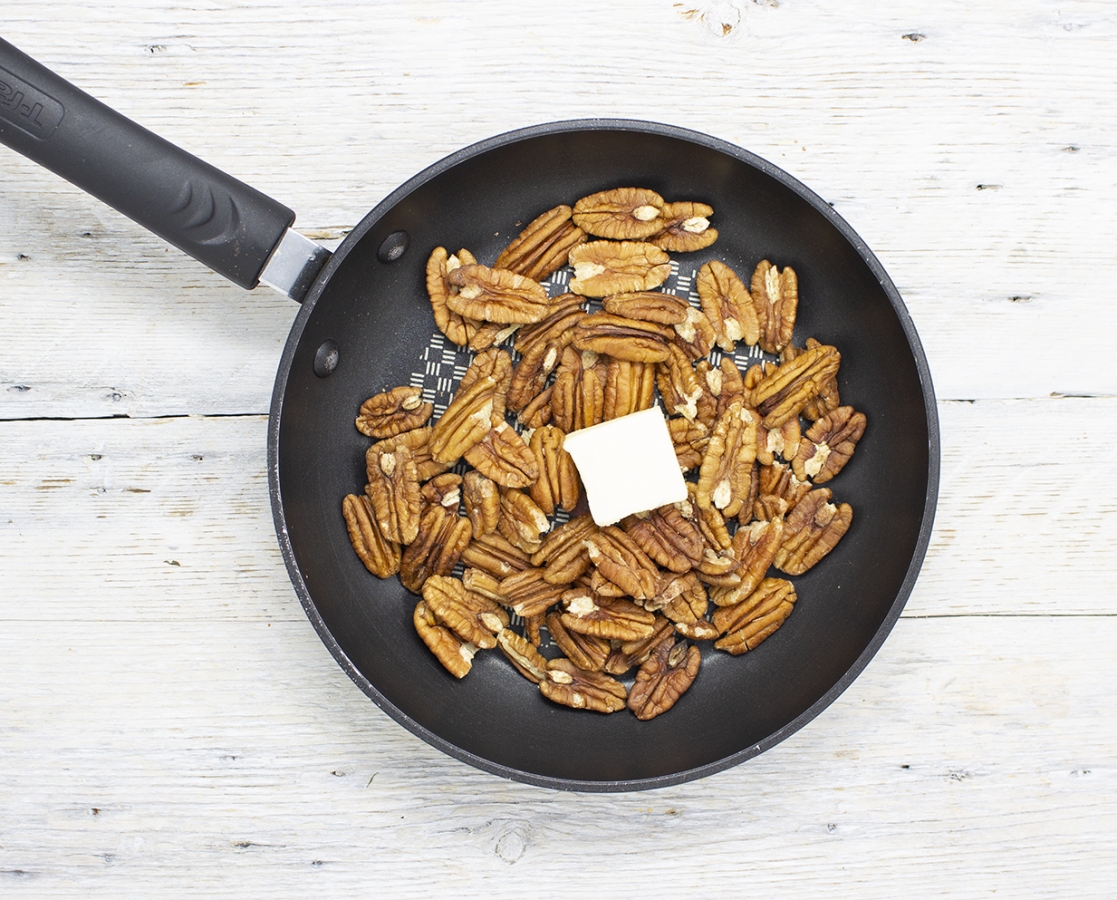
[364, 324]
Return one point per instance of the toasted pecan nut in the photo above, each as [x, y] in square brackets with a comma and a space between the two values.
[686, 227]
[528, 661]
[620, 214]
[473, 618]
[829, 444]
[566, 310]
[611, 618]
[683, 392]
[827, 399]
[543, 246]
[528, 594]
[455, 654]
[602, 268]
[754, 546]
[443, 490]
[663, 679]
[584, 650]
[648, 306]
[784, 390]
[778, 491]
[531, 374]
[696, 335]
[620, 560]
[558, 485]
[725, 478]
[782, 440]
[441, 538]
[491, 334]
[417, 441]
[393, 412]
[496, 364]
[465, 423]
[483, 583]
[811, 530]
[577, 688]
[755, 618]
[690, 440]
[492, 553]
[393, 488]
[775, 297]
[668, 537]
[503, 457]
[726, 302]
[578, 394]
[563, 554]
[521, 520]
[497, 295]
[482, 502]
[627, 654]
[380, 556]
[539, 412]
[440, 264]
[622, 338]
[629, 388]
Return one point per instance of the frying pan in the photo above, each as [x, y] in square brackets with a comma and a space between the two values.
[365, 324]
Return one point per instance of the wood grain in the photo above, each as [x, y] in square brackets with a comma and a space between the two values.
[171, 725]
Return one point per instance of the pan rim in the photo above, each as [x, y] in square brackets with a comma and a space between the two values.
[660, 130]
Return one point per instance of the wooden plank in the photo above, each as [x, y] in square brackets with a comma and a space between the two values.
[171, 517]
[974, 756]
[976, 160]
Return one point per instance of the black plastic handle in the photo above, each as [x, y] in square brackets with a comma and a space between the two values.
[218, 220]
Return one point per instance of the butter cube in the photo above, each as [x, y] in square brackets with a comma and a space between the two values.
[628, 465]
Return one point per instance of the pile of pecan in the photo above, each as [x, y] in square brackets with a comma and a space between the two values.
[637, 594]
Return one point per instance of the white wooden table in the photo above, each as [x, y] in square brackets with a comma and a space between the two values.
[170, 725]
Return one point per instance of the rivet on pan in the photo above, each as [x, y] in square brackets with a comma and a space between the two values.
[394, 246]
[326, 359]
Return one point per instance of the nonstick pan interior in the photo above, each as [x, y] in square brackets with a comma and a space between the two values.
[377, 314]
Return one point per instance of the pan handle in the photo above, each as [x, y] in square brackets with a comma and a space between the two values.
[220, 221]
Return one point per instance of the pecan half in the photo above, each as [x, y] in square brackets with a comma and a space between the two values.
[380, 556]
[663, 679]
[578, 394]
[612, 618]
[622, 338]
[563, 553]
[484, 584]
[727, 305]
[566, 310]
[493, 554]
[696, 335]
[567, 684]
[725, 478]
[619, 559]
[528, 595]
[532, 372]
[496, 364]
[455, 654]
[633, 653]
[784, 390]
[557, 486]
[690, 440]
[620, 214]
[686, 227]
[490, 334]
[537, 413]
[687, 609]
[668, 537]
[780, 441]
[497, 295]
[542, 247]
[503, 457]
[755, 618]
[393, 488]
[828, 399]
[754, 546]
[443, 490]
[682, 391]
[602, 268]
[629, 387]
[392, 412]
[775, 297]
[829, 445]
[778, 491]
[466, 421]
[648, 306]
[473, 618]
[418, 442]
[440, 264]
[521, 520]
[482, 502]
[811, 530]
[528, 661]
[584, 650]
[441, 538]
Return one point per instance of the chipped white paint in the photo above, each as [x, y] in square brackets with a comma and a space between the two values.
[170, 725]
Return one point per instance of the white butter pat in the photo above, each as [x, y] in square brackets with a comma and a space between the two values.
[628, 465]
